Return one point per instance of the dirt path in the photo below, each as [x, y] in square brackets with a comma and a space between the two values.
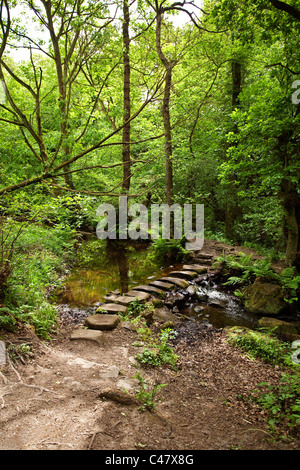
[53, 401]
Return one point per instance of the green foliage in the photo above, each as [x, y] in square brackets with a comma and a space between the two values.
[19, 352]
[38, 257]
[290, 280]
[147, 396]
[158, 351]
[168, 250]
[136, 308]
[8, 318]
[242, 269]
[282, 402]
[44, 320]
[261, 344]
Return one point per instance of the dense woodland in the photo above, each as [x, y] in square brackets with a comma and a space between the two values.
[165, 102]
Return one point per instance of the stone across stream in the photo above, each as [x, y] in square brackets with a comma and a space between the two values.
[107, 315]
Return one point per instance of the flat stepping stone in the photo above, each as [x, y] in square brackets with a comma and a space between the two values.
[124, 300]
[184, 274]
[162, 285]
[111, 297]
[89, 335]
[136, 294]
[128, 299]
[150, 290]
[204, 255]
[112, 308]
[178, 282]
[102, 322]
[195, 267]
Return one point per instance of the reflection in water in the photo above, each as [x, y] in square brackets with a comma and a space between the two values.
[119, 254]
[106, 267]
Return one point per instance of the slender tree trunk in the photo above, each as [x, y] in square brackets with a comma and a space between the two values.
[232, 210]
[166, 111]
[291, 205]
[168, 137]
[61, 78]
[127, 104]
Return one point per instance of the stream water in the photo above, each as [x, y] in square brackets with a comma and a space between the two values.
[107, 267]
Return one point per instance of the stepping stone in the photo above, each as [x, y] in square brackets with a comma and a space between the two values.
[111, 308]
[184, 274]
[206, 262]
[134, 294]
[195, 267]
[162, 284]
[89, 335]
[2, 353]
[102, 322]
[178, 282]
[203, 255]
[111, 297]
[150, 290]
[124, 300]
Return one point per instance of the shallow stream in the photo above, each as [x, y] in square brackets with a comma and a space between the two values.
[104, 268]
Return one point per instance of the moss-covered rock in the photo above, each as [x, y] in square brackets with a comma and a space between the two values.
[286, 331]
[264, 298]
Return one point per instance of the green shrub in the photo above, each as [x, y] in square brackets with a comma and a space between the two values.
[40, 256]
[261, 344]
[282, 402]
[147, 396]
[158, 351]
[243, 269]
[172, 250]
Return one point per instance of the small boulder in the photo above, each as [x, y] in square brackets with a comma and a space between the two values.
[191, 290]
[285, 330]
[164, 315]
[264, 298]
[111, 308]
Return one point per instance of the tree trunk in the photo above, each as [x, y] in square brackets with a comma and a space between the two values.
[168, 137]
[291, 205]
[127, 110]
[166, 111]
[232, 211]
[61, 72]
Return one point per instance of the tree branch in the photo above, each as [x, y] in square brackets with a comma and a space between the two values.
[293, 11]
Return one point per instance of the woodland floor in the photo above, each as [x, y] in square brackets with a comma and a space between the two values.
[52, 401]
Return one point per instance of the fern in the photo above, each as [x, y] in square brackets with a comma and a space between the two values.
[233, 281]
[243, 269]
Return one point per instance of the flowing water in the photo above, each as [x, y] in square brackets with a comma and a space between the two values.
[215, 306]
[108, 267]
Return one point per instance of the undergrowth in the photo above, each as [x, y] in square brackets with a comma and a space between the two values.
[147, 394]
[282, 400]
[38, 257]
[157, 349]
[241, 270]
